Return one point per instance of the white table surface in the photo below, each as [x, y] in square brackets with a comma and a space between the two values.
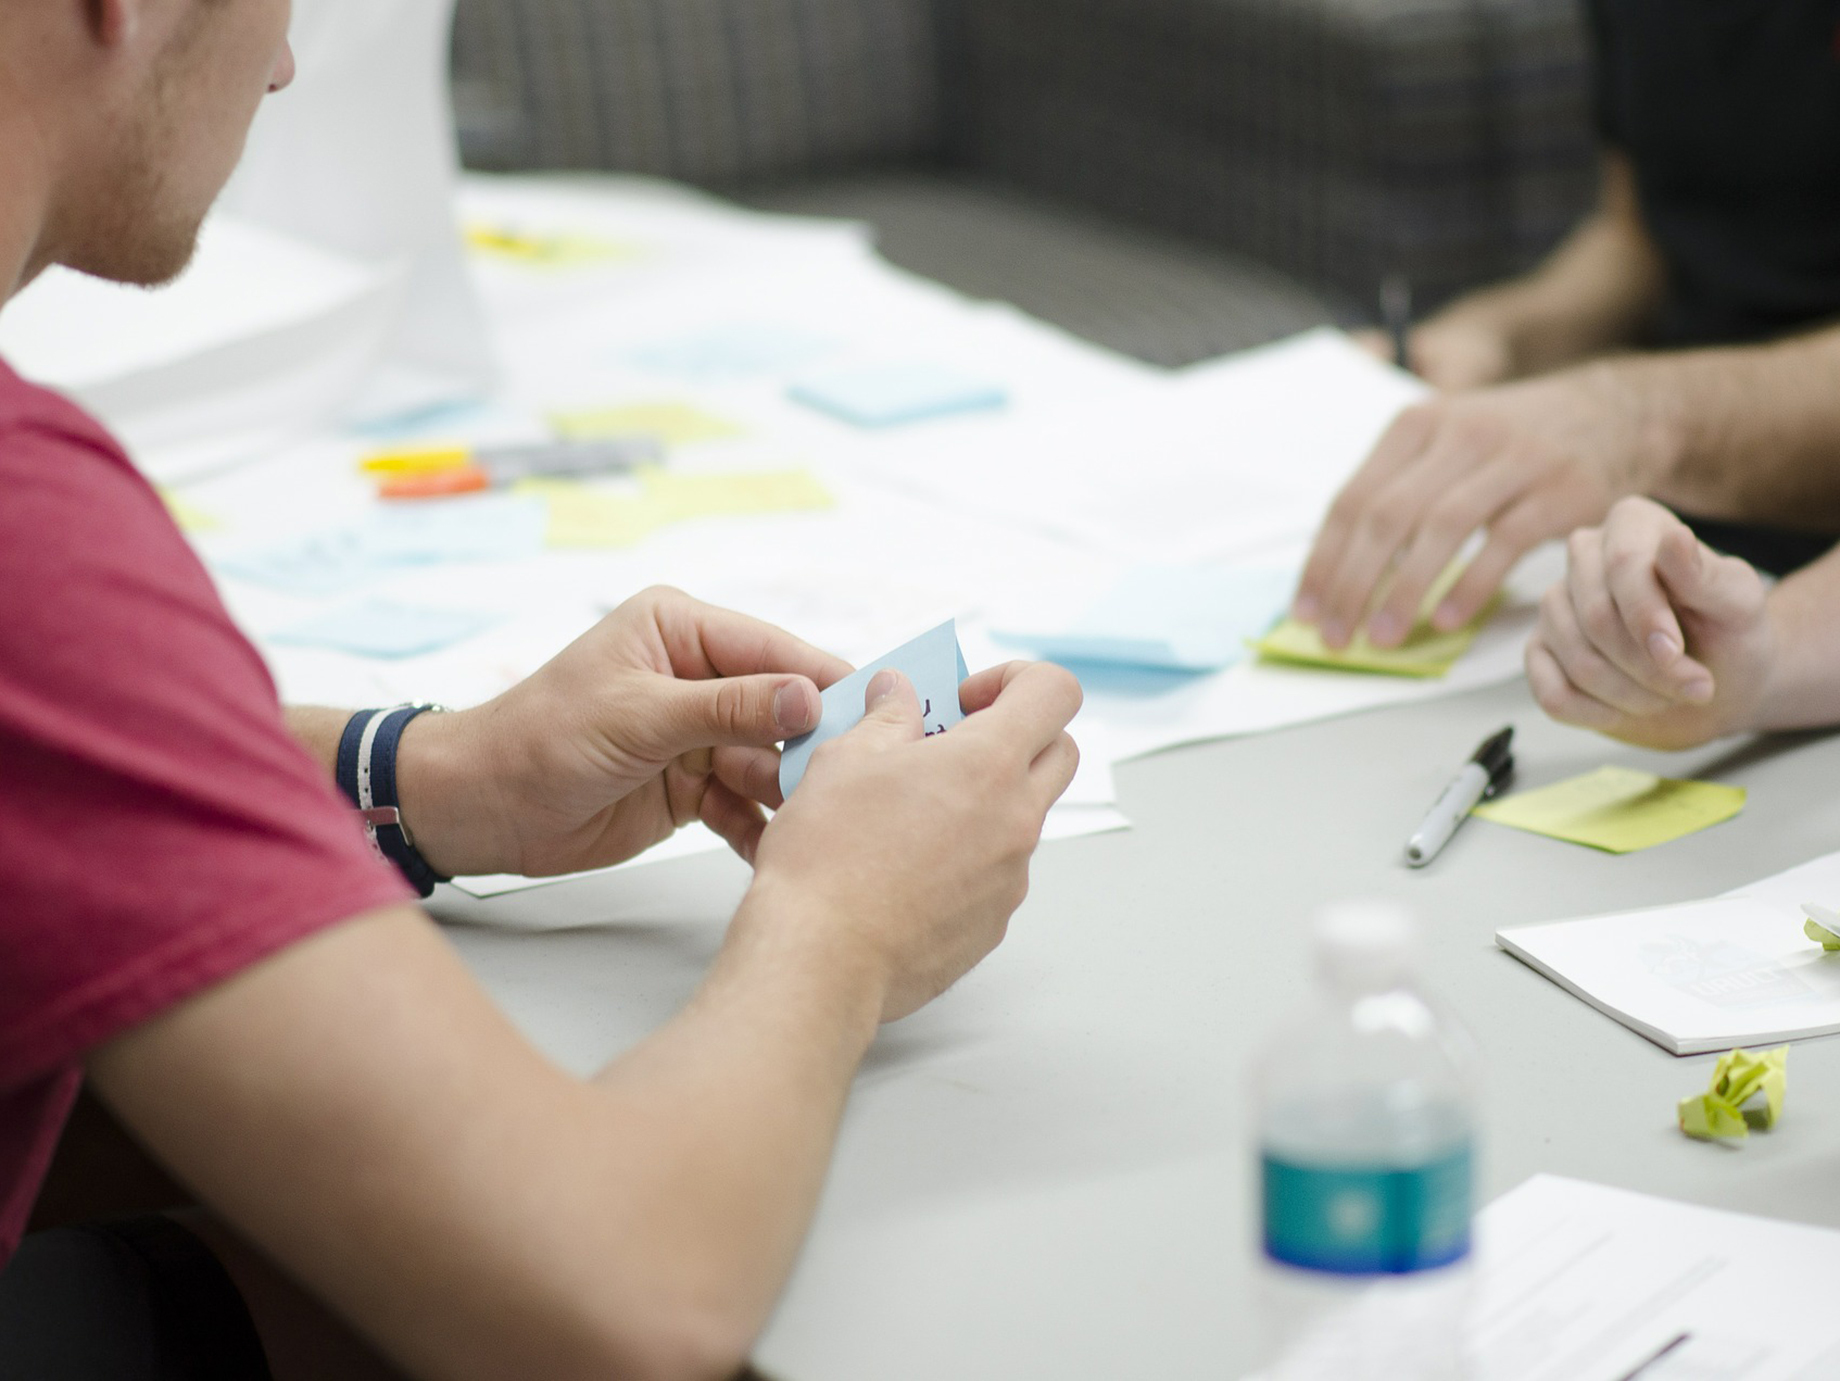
[1047, 1173]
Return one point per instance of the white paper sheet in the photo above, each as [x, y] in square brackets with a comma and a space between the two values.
[1707, 975]
[1582, 1282]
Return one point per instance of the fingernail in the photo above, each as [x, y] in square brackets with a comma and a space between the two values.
[1334, 634]
[1306, 609]
[1698, 690]
[792, 708]
[1662, 648]
[1385, 630]
[1447, 617]
[882, 687]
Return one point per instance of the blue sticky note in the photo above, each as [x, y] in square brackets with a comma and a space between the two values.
[889, 394]
[935, 664]
[325, 563]
[1170, 618]
[490, 527]
[739, 351]
[483, 527]
[378, 628]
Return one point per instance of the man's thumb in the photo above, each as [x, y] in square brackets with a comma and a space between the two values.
[742, 711]
[891, 707]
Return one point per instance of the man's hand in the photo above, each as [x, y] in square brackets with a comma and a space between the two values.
[1652, 637]
[1451, 351]
[666, 712]
[1526, 462]
[914, 851]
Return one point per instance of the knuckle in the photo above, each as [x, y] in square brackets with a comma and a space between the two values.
[1597, 616]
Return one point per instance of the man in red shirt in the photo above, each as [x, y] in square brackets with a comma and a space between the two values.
[385, 1177]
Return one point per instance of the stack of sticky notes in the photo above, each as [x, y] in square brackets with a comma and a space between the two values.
[1425, 653]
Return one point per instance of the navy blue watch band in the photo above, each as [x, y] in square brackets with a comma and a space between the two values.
[366, 773]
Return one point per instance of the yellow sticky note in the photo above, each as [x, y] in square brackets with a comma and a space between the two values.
[580, 516]
[1617, 809]
[674, 424]
[534, 249]
[1426, 653]
[188, 516]
[733, 495]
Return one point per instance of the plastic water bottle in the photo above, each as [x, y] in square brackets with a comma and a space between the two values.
[1366, 1147]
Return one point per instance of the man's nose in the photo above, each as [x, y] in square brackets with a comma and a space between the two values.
[283, 75]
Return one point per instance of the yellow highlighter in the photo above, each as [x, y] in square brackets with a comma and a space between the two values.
[439, 472]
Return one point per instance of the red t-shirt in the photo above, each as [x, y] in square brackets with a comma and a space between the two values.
[159, 829]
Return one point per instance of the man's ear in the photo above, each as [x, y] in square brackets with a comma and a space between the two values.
[113, 22]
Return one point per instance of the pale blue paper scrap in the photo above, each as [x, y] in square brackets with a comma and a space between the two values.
[491, 527]
[886, 395]
[740, 351]
[1172, 618]
[934, 662]
[379, 628]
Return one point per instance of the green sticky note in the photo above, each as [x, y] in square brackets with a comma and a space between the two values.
[1617, 809]
[1746, 1095]
[1822, 926]
[1426, 653]
[1708, 1118]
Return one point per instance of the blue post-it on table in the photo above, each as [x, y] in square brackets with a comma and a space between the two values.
[885, 395]
[935, 664]
[324, 563]
[379, 628]
[1171, 618]
[490, 527]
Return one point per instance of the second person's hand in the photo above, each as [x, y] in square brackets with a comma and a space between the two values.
[1652, 637]
[1525, 463]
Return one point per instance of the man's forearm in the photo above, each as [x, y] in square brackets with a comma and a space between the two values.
[1593, 294]
[1752, 433]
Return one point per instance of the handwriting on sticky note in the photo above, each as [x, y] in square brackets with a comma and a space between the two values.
[933, 662]
[1617, 809]
[674, 424]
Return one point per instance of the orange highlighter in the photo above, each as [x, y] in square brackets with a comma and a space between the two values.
[443, 472]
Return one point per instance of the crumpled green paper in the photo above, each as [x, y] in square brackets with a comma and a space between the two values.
[1822, 926]
[1720, 1114]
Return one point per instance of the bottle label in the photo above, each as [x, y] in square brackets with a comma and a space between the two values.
[1356, 1220]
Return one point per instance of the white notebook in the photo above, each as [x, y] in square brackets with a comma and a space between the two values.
[1705, 975]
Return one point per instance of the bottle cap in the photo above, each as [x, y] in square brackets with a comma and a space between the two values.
[1368, 943]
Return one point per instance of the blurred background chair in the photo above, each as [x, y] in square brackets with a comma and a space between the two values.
[1173, 179]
